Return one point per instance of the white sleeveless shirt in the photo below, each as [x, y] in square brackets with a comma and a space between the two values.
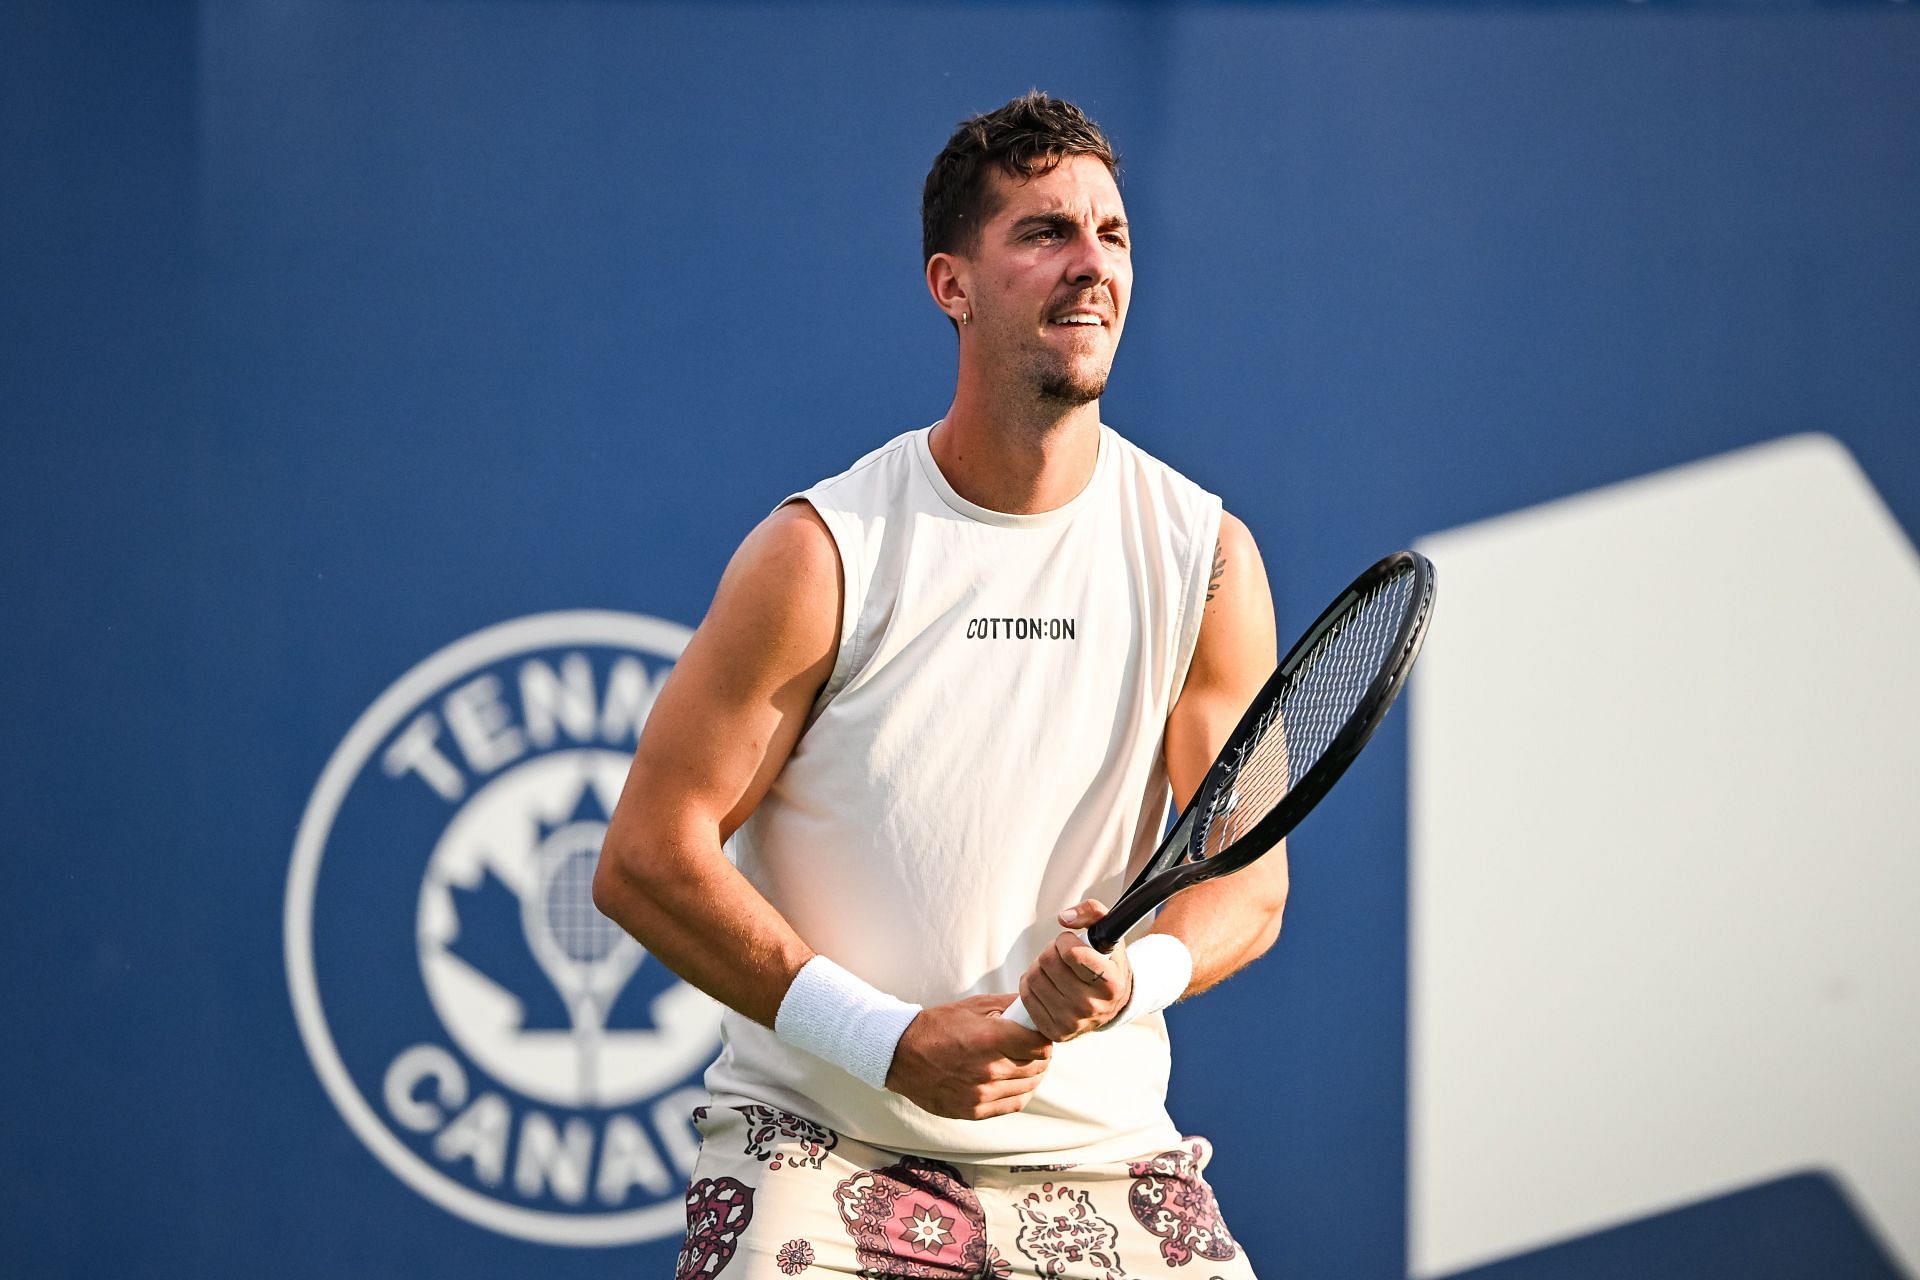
[986, 752]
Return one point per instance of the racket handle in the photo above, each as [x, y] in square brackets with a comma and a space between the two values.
[1017, 1012]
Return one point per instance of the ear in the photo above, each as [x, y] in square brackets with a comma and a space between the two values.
[947, 282]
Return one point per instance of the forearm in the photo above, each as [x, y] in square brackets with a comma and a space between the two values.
[676, 893]
[1228, 923]
[680, 897]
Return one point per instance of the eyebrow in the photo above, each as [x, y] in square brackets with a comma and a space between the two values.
[1065, 221]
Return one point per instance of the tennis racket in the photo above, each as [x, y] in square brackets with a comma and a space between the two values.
[1301, 732]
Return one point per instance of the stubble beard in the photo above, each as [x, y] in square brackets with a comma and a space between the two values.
[1070, 385]
[1065, 390]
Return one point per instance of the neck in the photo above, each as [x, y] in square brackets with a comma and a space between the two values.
[1021, 458]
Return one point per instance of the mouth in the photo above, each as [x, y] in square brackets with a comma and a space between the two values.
[1078, 319]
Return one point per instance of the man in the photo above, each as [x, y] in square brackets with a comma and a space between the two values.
[942, 700]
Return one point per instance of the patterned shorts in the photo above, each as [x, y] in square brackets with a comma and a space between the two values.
[776, 1195]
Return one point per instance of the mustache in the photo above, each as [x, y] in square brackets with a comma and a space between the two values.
[1086, 298]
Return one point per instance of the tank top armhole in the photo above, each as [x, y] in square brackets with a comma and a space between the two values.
[846, 658]
[1193, 602]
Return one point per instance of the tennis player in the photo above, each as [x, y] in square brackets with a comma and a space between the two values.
[939, 705]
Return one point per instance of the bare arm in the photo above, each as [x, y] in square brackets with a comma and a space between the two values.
[1226, 924]
[1230, 922]
[719, 733]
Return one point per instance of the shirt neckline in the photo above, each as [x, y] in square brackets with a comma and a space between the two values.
[923, 449]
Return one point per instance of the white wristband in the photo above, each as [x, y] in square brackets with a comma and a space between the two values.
[841, 1019]
[1162, 967]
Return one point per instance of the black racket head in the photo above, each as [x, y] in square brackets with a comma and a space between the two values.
[1299, 735]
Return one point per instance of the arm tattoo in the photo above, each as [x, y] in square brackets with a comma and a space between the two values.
[1219, 571]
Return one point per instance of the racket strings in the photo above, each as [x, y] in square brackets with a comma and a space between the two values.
[1325, 691]
[584, 935]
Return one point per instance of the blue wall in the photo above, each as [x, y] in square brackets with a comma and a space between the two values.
[337, 332]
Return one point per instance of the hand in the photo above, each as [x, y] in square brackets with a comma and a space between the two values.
[1073, 989]
[966, 1061]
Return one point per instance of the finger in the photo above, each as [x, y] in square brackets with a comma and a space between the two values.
[1001, 1090]
[1004, 1107]
[1018, 1015]
[993, 1098]
[1012, 1041]
[1011, 1069]
[1018, 1069]
[1041, 1022]
[1045, 1024]
[1075, 968]
[1088, 964]
[1036, 1048]
[1049, 998]
[1083, 913]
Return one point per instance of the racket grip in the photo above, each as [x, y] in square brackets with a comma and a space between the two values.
[1017, 1012]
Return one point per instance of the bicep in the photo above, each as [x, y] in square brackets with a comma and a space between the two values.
[739, 696]
[1233, 656]
[1225, 923]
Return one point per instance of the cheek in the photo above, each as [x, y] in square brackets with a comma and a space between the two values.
[1017, 284]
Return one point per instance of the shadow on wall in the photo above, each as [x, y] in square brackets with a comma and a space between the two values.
[1802, 1227]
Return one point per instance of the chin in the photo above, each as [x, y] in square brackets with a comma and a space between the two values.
[1072, 394]
[1072, 387]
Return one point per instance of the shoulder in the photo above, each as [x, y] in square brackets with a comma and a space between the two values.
[790, 556]
[1238, 582]
[1233, 655]
[767, 643]
[1235, 541]
[1236, 646]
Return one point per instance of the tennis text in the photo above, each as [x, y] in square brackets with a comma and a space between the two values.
[492, 725]
[427, 1092]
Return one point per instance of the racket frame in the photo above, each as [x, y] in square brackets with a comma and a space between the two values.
[1175, 865]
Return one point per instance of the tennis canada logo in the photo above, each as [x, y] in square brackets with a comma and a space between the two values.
[504, 1049]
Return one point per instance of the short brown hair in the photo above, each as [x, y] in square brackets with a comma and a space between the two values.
[1024, 139]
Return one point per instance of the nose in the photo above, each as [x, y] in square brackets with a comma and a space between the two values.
[1087, 264]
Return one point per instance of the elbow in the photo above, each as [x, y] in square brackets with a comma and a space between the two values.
[603, 883]
[1270, 934]
[616, 879]
[606, 884]
[1273, 908]
[643, 874]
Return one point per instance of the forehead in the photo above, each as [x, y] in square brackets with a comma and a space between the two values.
[1079, 186]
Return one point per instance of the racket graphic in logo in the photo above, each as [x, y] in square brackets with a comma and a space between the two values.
[588, 957]
[504, 1049]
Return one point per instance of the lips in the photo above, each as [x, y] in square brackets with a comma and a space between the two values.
[1090, 312]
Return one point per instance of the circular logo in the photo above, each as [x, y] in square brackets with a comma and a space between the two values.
[506, 1050]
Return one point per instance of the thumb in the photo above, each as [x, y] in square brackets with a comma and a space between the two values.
[1083, 914]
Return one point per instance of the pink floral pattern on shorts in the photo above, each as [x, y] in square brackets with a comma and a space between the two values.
[1170, 1199]
[794, 1257]
[767, 1126]
[915, 1219]
[1058, 1228]
[718, 1211]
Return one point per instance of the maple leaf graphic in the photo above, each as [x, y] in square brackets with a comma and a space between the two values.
[633, 1008]
[493, 943]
